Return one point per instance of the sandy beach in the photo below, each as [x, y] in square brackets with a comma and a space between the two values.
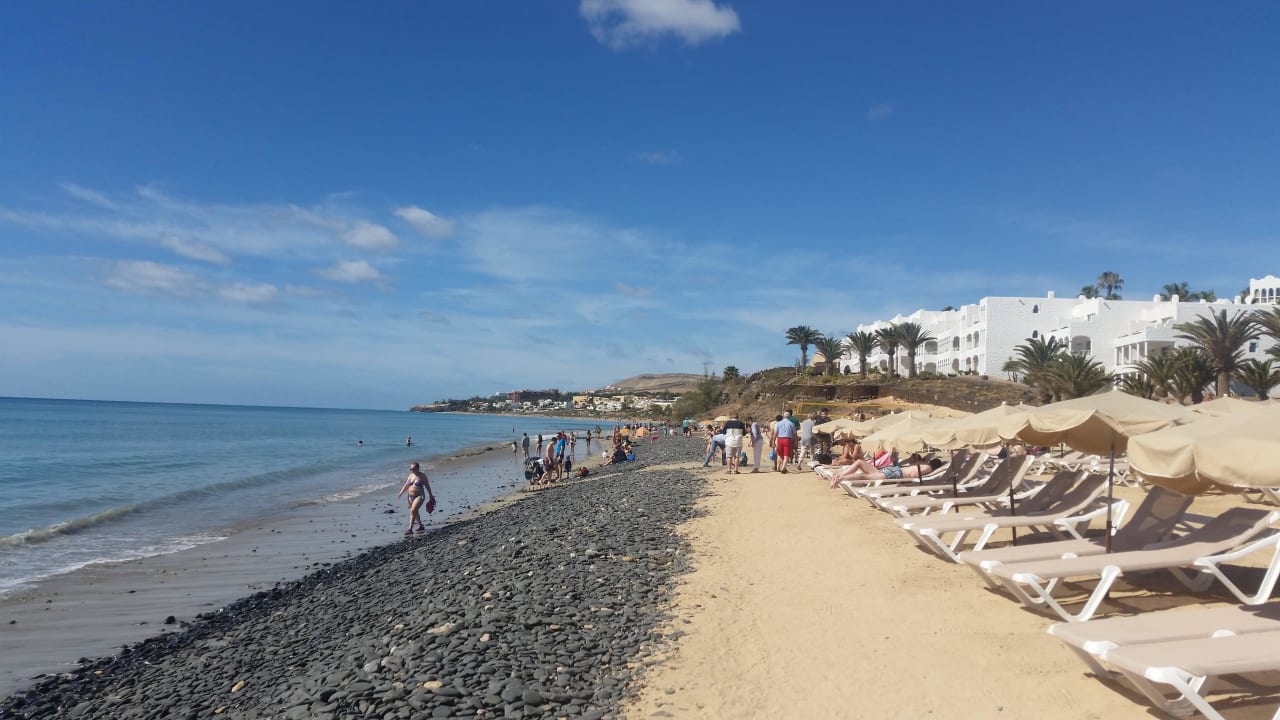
[804, 602]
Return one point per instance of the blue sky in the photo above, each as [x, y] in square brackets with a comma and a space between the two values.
[373, 205]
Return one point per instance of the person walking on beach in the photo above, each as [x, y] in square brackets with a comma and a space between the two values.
[785, 432]
[524, 443]
[419, 489]
[757, 443]
[806, 437]
[734, 431]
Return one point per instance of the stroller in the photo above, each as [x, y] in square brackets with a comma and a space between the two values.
[534, 469]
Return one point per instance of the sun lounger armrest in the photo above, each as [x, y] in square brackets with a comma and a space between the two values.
[1273, 539]
[1074, 523]
[1211, 564]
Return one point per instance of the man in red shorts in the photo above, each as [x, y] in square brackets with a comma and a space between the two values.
[785, 432]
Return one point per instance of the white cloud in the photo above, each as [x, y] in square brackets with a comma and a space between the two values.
[636, 292]
[352, 271]
[620, 24]
[143, 276]
[879, 111]
[425, 222]
[195, 250]
[250, 292]
[659, 157]
[93, 197]
[368, 236]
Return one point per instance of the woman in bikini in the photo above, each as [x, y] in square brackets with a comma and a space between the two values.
[415, 485]
[863, 470]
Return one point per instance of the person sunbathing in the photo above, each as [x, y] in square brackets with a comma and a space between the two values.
[851, 453]
[864, 470]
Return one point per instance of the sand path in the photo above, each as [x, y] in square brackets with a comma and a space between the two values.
[803, 603]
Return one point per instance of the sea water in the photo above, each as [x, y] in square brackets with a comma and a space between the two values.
[85, 481]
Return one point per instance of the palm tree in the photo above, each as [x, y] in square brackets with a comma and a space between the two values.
[1259, 376]
[804, 336]
[831, 349]
[888, 340]
[1222, 339]
[1181, 289]
[911, 336]
[1088, 292]
[1034, 359]
[1159, 370]
[1140, 385]
[1193, 372]
[863, 343]
[1205, 295]
[1076, 375]
[1111, 282]
[1268, 322]
[730, 372]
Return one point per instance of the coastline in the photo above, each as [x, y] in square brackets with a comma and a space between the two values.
[95, 609]
[536, 605]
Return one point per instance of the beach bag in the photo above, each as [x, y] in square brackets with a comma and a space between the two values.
[431, 505]
[631, 457]
[773, 455]
[882, 459]
[744, 457]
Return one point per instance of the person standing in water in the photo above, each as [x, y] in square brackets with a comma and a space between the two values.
[419, 489]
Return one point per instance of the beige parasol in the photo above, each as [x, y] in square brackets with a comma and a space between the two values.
[1241, 450]
[1227, 406]
[905, 435]
[1099, 424]
[834, 425]
[976, 431]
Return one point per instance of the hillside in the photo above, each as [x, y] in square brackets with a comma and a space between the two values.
[674, 383]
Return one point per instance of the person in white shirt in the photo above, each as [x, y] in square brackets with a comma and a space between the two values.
[734, 431]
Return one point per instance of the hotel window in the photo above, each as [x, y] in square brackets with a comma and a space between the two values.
[1035, 309]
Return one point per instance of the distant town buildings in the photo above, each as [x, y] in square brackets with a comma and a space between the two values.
[980, 338]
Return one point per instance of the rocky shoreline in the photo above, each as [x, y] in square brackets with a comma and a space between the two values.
[540, 608]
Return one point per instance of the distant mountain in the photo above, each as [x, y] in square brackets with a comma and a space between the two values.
[675, 383]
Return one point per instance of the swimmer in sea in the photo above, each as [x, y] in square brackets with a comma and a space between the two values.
[419, 489]
[408, 441]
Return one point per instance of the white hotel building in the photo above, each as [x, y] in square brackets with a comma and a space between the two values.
[981, 338]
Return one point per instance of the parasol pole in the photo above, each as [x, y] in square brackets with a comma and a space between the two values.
[1012, 509]
[1111, 474]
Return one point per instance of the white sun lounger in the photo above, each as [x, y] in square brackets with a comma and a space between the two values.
[1235, 533]
[969, 475]
[1060, 514]
[1186, 666]
[991, 493]
[1092, 641]
[1153, 521]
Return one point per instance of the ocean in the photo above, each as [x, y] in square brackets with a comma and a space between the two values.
[83, 482]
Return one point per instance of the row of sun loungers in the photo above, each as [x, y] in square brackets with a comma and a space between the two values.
[1172, 657]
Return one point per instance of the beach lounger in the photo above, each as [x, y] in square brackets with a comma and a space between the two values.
[1233, 534]
[1186, 666]
[1092, 641]
[945, 477]
[1007, 475]
[969, 474]
[1153, 521]
[1059, 515]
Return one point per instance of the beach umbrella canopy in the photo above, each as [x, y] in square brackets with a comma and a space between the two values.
[906, 435]
[976, 431]
[1227, 406]
[1100, 424]
[834, 425]
[1240, 450]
